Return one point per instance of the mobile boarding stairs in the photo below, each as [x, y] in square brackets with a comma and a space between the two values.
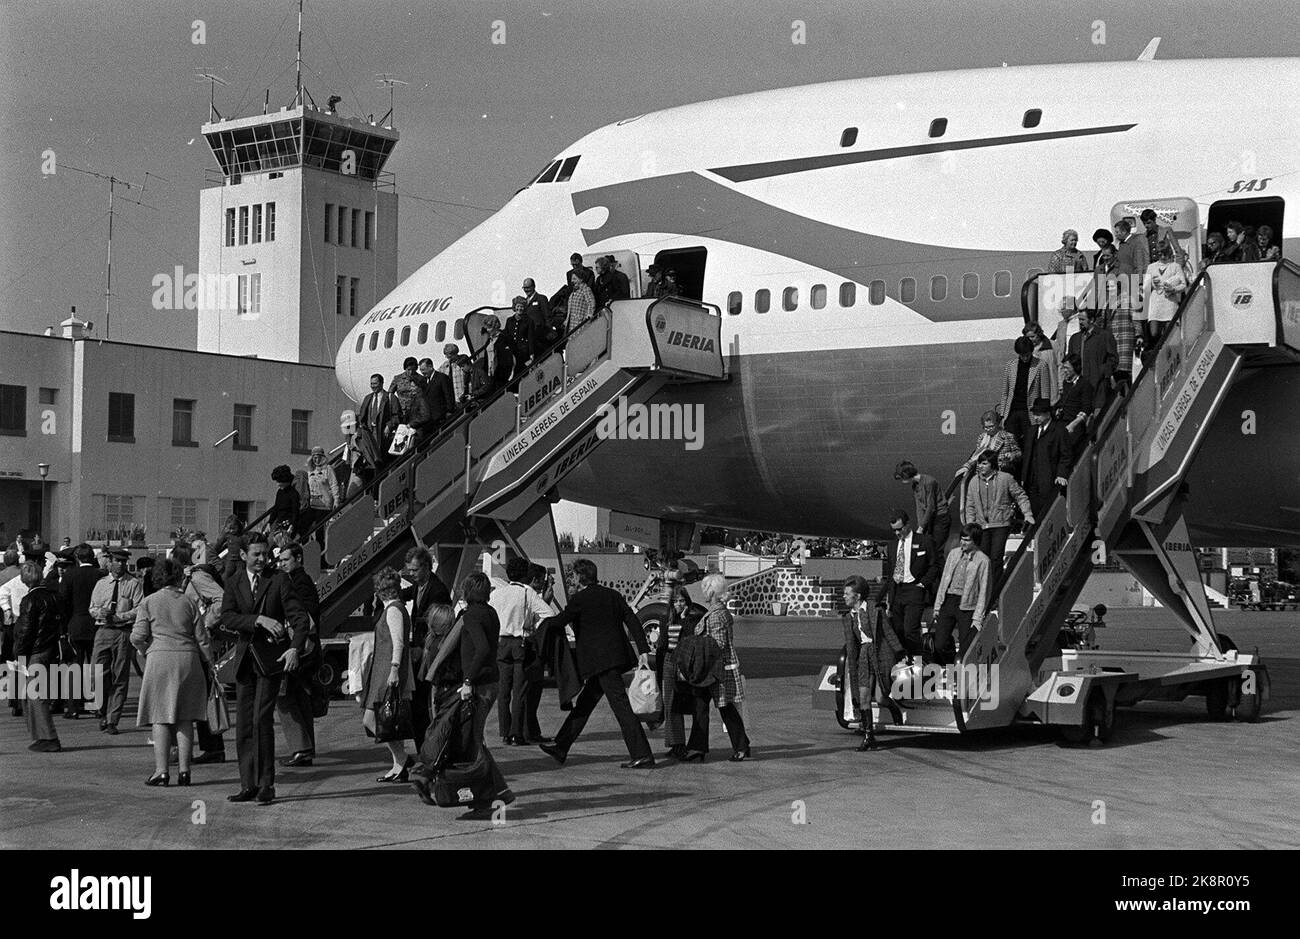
[1125, 497]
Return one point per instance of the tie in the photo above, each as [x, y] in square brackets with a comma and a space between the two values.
[898, 561]
[112, 604]
[257, 582]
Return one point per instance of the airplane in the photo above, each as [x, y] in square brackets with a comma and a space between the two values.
[866, 241]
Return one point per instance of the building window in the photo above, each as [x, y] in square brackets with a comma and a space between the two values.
[13, 410]
[370, 230]
[340, 289]
[762, 301]
[907, 289]
[374, 340]
[1002, 284]
[938, 288]
[356, 225]
[353, 284]
[250, 294]
[270, 221]
[422, 335]
[817, 297]
[440, 333]
[388, 339]
[458, 330]
[329, 222]
[938, 126]
[343, 221]
[119, 513]
[121, 417]
[970, 286]
[244, 427]
[876, 292]
[1032, 117]
[243, 224]
[300, 431]
[790, 299]
[184, 514]
[849, 137]
[257, 224]
[406, 335]
[848, 293]
[734, 300]
[48, 395]
[183, 423]
[230, 227]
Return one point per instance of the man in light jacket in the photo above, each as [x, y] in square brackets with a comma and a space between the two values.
[962, 597]
[991, 498]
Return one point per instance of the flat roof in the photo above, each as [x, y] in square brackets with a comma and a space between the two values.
[144, 345]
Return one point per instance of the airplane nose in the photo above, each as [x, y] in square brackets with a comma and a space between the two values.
[343, 366]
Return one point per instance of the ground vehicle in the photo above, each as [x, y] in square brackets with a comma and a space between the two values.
[1254, 594]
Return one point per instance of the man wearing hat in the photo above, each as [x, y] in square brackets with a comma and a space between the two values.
[1047, 457]
[612, 284]
[113, 605]
[655, 285]
[538, 311]
[76, 585]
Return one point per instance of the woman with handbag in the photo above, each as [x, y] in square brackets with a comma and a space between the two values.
[387, 699]
[728, 692]
[170, 633]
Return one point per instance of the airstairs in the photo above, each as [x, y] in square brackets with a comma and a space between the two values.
[1125, 496]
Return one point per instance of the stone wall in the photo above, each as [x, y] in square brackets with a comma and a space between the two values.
[754, 596]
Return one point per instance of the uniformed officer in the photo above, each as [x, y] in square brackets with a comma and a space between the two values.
[113, 605]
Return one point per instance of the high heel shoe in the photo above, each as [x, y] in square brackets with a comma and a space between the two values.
[157, 779]
[401, 775]
[183, 779]
[694, 756]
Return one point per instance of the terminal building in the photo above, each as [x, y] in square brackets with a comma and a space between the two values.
[297, 239]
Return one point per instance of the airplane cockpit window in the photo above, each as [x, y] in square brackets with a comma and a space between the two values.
[566, 171]
[938, 126]
[849, 137]
[548, 174]
[1032, 117]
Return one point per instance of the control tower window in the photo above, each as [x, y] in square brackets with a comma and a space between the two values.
[566, 171]
[243, 224]
[230, 228]
[270, 221]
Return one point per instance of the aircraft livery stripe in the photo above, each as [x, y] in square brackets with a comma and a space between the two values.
[747, 171]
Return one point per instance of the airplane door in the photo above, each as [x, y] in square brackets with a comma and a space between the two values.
[1180, 214]
[688, 264]
[1252, 213]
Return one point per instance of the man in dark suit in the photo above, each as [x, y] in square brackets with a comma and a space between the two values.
[258, 598]
[294, 705]
[426, 589]
[376, 415]
[602, 621]
[538, 312]
[439, 400]
[912, 566]
[1047, 458]
[75, 588]
[870, 655]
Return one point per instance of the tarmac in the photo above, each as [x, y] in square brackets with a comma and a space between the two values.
[1168, 779]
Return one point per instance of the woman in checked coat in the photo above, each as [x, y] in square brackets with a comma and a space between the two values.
[730, 691]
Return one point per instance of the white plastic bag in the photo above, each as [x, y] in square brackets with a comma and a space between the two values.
[643, 693]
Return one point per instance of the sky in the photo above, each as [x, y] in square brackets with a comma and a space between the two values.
[109, 86]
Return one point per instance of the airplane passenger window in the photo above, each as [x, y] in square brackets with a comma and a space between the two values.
[876, 293]
[549, 173]
[374, 340]
[907, 289]
[848, 293]
[1032, 117]
[734, 300]
[440, 333]
[361, 341]
[938, 126]
[970, 286]
[458, 331]
[762, 301]
[790, 299]
[566, 171]
[422, 335]
[388, 339]
[818, 296]
[406, 335]
[1002, 284]
[938, 288]
[849, 137]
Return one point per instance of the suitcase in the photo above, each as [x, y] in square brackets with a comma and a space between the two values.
[474, 784]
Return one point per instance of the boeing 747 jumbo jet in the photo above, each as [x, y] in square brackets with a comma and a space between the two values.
[867, 241]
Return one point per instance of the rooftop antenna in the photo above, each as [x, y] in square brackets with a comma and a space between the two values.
[213, 80]
[113, 182]
[298, 80]
[386, 78]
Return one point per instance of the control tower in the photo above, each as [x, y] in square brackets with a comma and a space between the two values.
[298, 233]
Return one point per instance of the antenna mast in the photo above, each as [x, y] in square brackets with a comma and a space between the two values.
[298, 80]
[213, 80]
[386, 78]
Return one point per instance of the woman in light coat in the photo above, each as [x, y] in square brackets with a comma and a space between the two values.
[1164, 286]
